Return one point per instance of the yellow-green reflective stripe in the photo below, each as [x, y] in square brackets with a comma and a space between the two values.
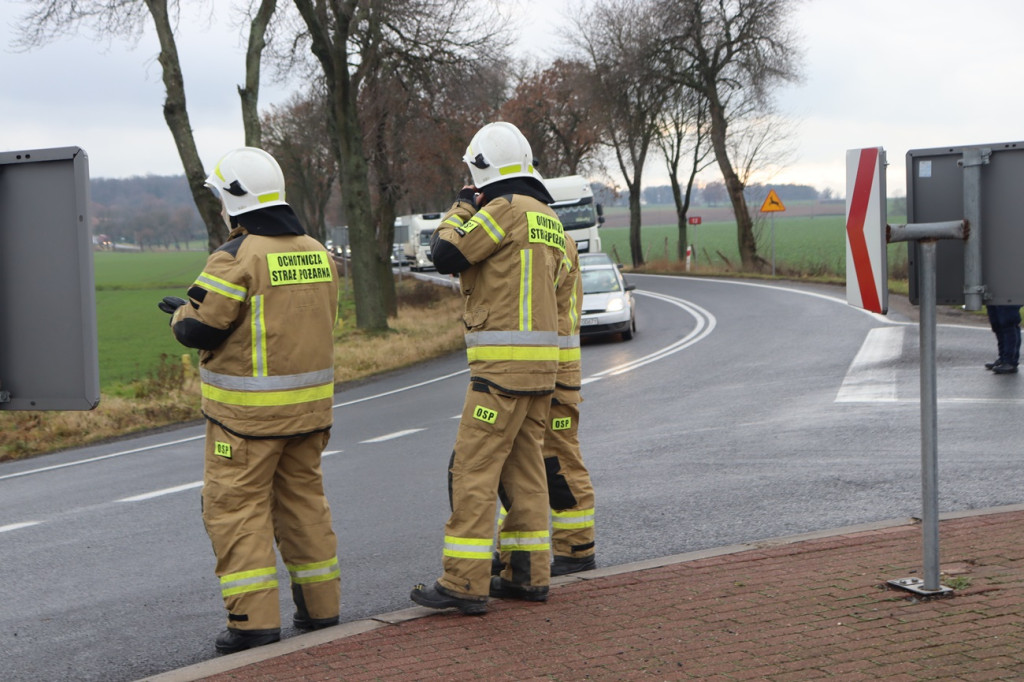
[221, 286]
[267, 398]
[565, 520]
[525, 541]
[248, 581]
[525, 295]
[569, 354]
[317, 572]
[269, 196]
[490, 225]
[454, 221]
[468, 548]
[574, 318]
[513, 353]
[511, 168]
[259, 338]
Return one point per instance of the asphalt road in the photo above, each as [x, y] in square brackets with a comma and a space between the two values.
[740, 411]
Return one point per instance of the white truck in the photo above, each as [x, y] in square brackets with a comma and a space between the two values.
[416, 246]
[580, 216]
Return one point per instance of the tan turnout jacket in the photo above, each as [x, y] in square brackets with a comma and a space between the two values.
[276, 298]
[515, 246]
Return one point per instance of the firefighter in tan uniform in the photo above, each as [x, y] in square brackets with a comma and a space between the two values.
[262, 315]
[507, 246]
[570, 490]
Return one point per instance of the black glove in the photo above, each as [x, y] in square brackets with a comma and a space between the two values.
[468, 194]
[170, 304]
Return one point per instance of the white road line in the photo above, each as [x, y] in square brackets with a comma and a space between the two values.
[705, 325]
[328, 453]
[165, 491]
[871, 377]
[16, 526]
[392, 436]
[101, 457]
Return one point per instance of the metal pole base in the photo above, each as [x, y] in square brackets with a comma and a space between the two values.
[916, 585]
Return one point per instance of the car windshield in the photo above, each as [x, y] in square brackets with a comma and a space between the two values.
[600, 281]
[596, 258]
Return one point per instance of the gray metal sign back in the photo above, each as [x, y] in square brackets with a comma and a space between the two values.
[48, 348]
[935, 193]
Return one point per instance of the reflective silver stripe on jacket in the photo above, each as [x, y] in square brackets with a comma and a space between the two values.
[511, 338]
[275, 383]
[572, 341]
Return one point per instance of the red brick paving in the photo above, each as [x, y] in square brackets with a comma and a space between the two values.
[811, 610]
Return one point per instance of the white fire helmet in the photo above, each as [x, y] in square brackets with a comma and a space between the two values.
[497, 152]
[247, 179]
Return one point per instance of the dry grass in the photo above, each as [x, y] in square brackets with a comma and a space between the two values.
[428, 325]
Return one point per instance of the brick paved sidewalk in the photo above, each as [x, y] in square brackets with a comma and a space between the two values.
[814, 609]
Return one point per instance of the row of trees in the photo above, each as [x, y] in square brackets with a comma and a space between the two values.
[396, 88]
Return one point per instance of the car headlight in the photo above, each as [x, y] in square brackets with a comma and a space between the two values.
[615, 305]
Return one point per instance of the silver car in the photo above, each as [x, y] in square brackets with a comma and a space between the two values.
[608, 306]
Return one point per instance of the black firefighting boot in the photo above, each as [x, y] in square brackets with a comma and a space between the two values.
[564, 565]
[302, 621]
[505, 590]
[496, 566]
[437, 597]
[231, 640]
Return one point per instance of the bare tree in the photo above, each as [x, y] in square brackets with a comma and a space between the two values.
[719, 48]
[552, 108]
[250, 92]
[618, 38]
[684, 133]
[127, 19]
[367, 46]
[298, 135]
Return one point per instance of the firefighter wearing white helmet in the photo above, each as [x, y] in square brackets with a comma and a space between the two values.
[508, 248]
[262, 314]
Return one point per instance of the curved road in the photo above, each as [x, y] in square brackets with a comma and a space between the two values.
[740, 411]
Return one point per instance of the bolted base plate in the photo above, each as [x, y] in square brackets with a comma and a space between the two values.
[916, 585]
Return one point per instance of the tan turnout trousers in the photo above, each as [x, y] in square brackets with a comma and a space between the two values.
[500, 438]
[253, 491]
[569, 487]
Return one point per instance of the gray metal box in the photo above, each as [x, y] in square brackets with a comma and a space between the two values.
[935, 193]
[48, 347]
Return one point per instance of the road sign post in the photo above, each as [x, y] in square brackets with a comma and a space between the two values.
[926, 235]
[772, 204]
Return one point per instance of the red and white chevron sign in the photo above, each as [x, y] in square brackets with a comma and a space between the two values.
[867, 269]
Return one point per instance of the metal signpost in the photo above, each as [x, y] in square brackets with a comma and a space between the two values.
[772, 204]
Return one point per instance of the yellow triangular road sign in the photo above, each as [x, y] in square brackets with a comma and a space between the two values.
[772, 203]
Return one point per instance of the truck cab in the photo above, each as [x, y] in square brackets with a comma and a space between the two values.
[580, 216]
[416, 246]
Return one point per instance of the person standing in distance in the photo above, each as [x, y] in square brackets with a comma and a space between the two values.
[262, 314]
[507, 246]
[1005, 323]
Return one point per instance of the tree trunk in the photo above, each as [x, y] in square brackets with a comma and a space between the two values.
[734, 187]
[250, 94]
[370, 299]
[331, 49]
[176, 115]
[636, 247]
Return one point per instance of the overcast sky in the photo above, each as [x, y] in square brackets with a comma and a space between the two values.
[900, 74]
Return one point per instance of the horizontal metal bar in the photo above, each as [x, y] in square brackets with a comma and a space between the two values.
[951, 229]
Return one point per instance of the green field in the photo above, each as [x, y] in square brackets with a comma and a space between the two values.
[132, 332]
[803, 244]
